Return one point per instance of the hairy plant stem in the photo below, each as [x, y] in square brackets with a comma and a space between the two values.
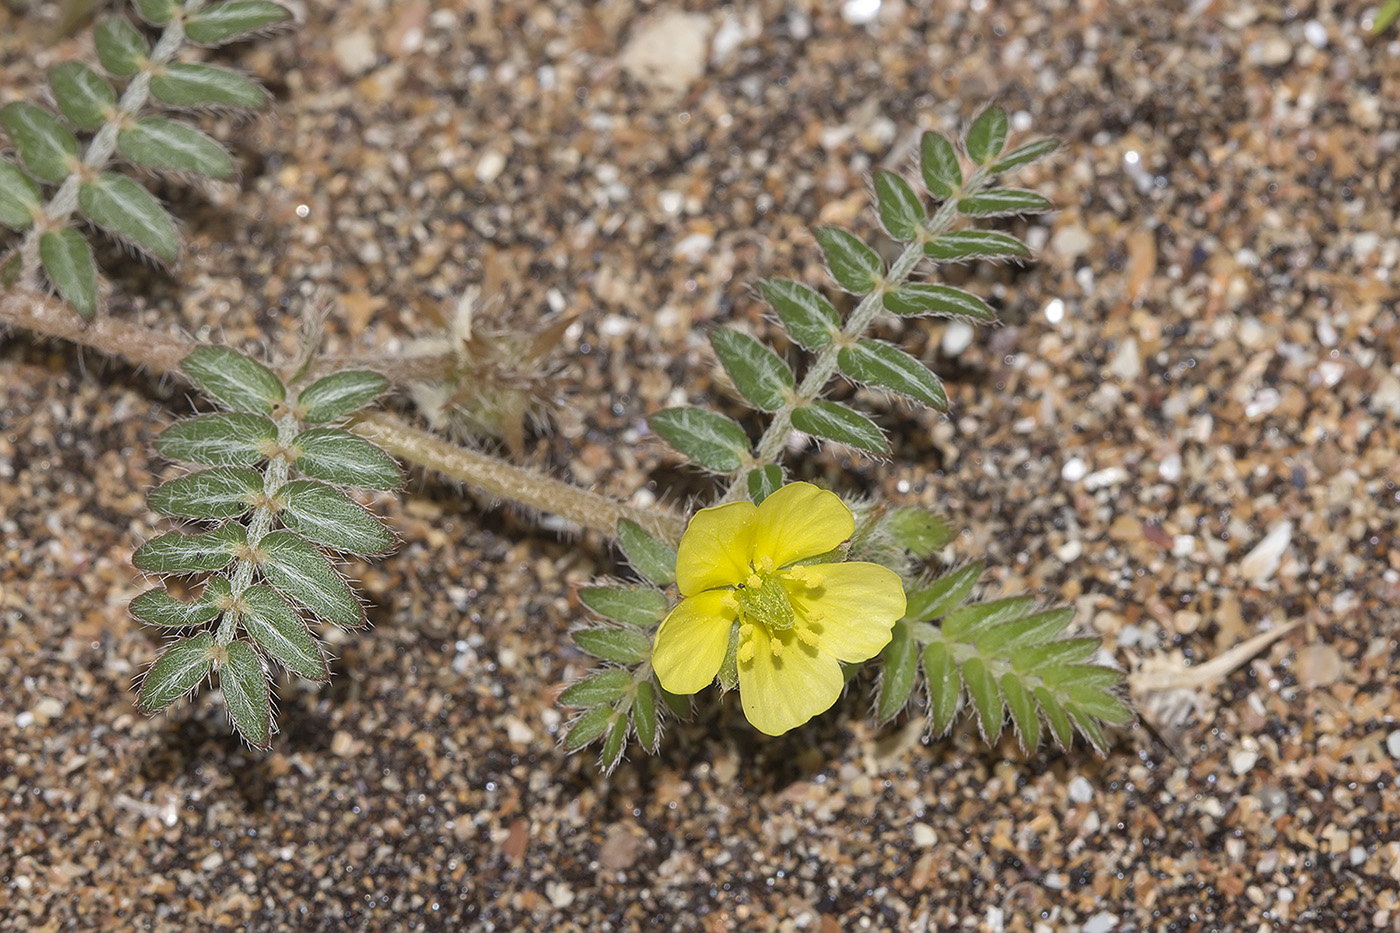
[821, 371]
[99, 150]
[162, 353]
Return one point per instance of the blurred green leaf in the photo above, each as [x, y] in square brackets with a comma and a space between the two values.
[300, 572]
[233, 380]
[620, 645]
[1030, 152]
[226, 439]
[1037, 628]
[155, 12]
[121, 47]
[836, 422]
[986, 698]
[968, 622]
[1054, 654]
[588, 727]
[179, 669]
[963, 245]
[764, 481]
[128, 212]
[944, 687]
[190, 85]
[1023, 710]
[19, 197]
[872, 362]
[919, 531]
[710, 439]
[244, 683]
[918, 298]
[758, 373]
[644, 717]
[1055, 716]
[602, 688]
[938, 163]
[157, 607]
[272, 622]
[67, 261]
[174, 552]
[223, 492]
[808, 317]
[901, 209]
[639, 606]
[340, 457]
[340, 394]
[1002, 202]
[651, 557]
[930, 602]
[324, 515]
[901, 665]
[233, 19]
[986, 137]
[84, 97]
[168, 146]
[46, 147]
[856, 267]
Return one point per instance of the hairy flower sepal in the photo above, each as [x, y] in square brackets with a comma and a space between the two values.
[758, 611]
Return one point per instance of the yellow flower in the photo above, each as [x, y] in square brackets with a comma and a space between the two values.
[747, 577]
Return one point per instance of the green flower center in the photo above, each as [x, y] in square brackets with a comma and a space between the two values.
[766, 602]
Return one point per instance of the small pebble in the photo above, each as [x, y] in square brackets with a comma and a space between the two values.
[1315, 33]
[1080, 790]
[1242, 760]
[1392, 744]
[1101, 922]
[924, 836]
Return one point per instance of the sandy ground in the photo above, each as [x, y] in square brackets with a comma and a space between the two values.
[1185, 425]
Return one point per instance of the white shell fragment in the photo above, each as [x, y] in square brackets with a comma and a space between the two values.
[1260, 564]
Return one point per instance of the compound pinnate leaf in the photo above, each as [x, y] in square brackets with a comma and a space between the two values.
[19, 197]
[901, 666]
[651, 557]
[639, 606]
[157, 607]
[299, 571]
[156, 12]
[174, 552]
[936, 599]
[986, 698]
[620, 645]
[644, 716]
[919, 531]
[130, 213]
[272, 622]
[223, 492]
[758, 373]
[168, 146]
[233, 380]
[225, 439]
[340, 457]
[808, 317]
[1021, 705]
[835, 422]
[340, 394]
[181, 668]
[938, 164]
[901, 209]
[587, 727]
[46, 147]
[944, 687]
[986, 137]
[190, 85]
[84, 97]
[244, 683]
[964, 245]
[598, 690]
[121, 48]
[763, 482]
[855, 266]
[1003, 202]
[1024, 155]
[224, 22]
[872, 362]
[709, 438]
[67, 260]
[918, 298]
[324, 515]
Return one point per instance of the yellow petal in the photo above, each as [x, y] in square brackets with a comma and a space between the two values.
[801, 521]
[716, 548]
[781, 693]
[691, 642]
[853, 610]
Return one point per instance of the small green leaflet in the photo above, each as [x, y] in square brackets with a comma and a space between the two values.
[587, 727]
[226, 439]
[986, 137]
[299, 571]
[186, 84]
[710, 439]
[619, 645]
[176, 553]
[639, 606]
[964, 245]
[808, 317]
[155, 12]
[919, 298]
[233, 380]
[19, 197]
[901, 666]
[600, 689]
[46, 147]
[644, 716]
[168, 146]
[1024, 155]
[758, 373]
[340, 394]
[121, 48]
[224, 22]
[938, 163]
[1002, 202]
[901, 210]
[244, 683]
[276, 627]
[157, 607]
[763, 482]
[944, 687]
[181, 668]
[836, 422]
[986, 698]
[339, 457]
[856, 267]
[938, 598]
[879, 364]
[84, 97]
[67, 261]
[324, 515]
[223, 492]
[128, 212]
[654, 559]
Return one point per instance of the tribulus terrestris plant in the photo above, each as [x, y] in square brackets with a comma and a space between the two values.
[779, 589]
